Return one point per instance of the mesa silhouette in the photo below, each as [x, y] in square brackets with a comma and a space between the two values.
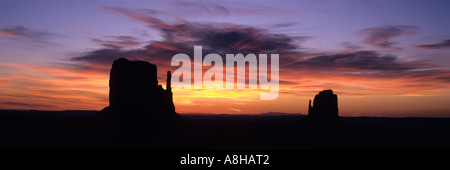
[322, 122]
[325, 106]
[140, 111]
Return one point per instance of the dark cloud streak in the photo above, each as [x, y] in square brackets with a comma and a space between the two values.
[382, 36]
[26, 34]
[369, 64]
[362, 60]
[441, 45]
[117, 41]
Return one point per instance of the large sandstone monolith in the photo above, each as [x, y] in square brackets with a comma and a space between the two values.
[325, 106]
[140, 111]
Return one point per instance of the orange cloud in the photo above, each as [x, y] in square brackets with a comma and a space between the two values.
[9, 33]
[50, 88]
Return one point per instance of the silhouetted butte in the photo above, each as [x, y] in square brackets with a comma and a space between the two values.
[140, 111]
[322, 122]
[325, 106]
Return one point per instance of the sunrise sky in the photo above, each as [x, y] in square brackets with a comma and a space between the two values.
[382, 58]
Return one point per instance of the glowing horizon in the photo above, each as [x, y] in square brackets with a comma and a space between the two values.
[380, 58]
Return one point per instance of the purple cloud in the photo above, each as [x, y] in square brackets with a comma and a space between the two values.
[382, 36]
[26, 34]
[117, 41]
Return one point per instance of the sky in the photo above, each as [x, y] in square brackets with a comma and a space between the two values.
[382, 58]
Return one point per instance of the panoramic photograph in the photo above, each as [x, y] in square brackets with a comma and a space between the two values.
[224, 76]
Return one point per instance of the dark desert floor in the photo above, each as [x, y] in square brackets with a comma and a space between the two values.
[73, 130]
